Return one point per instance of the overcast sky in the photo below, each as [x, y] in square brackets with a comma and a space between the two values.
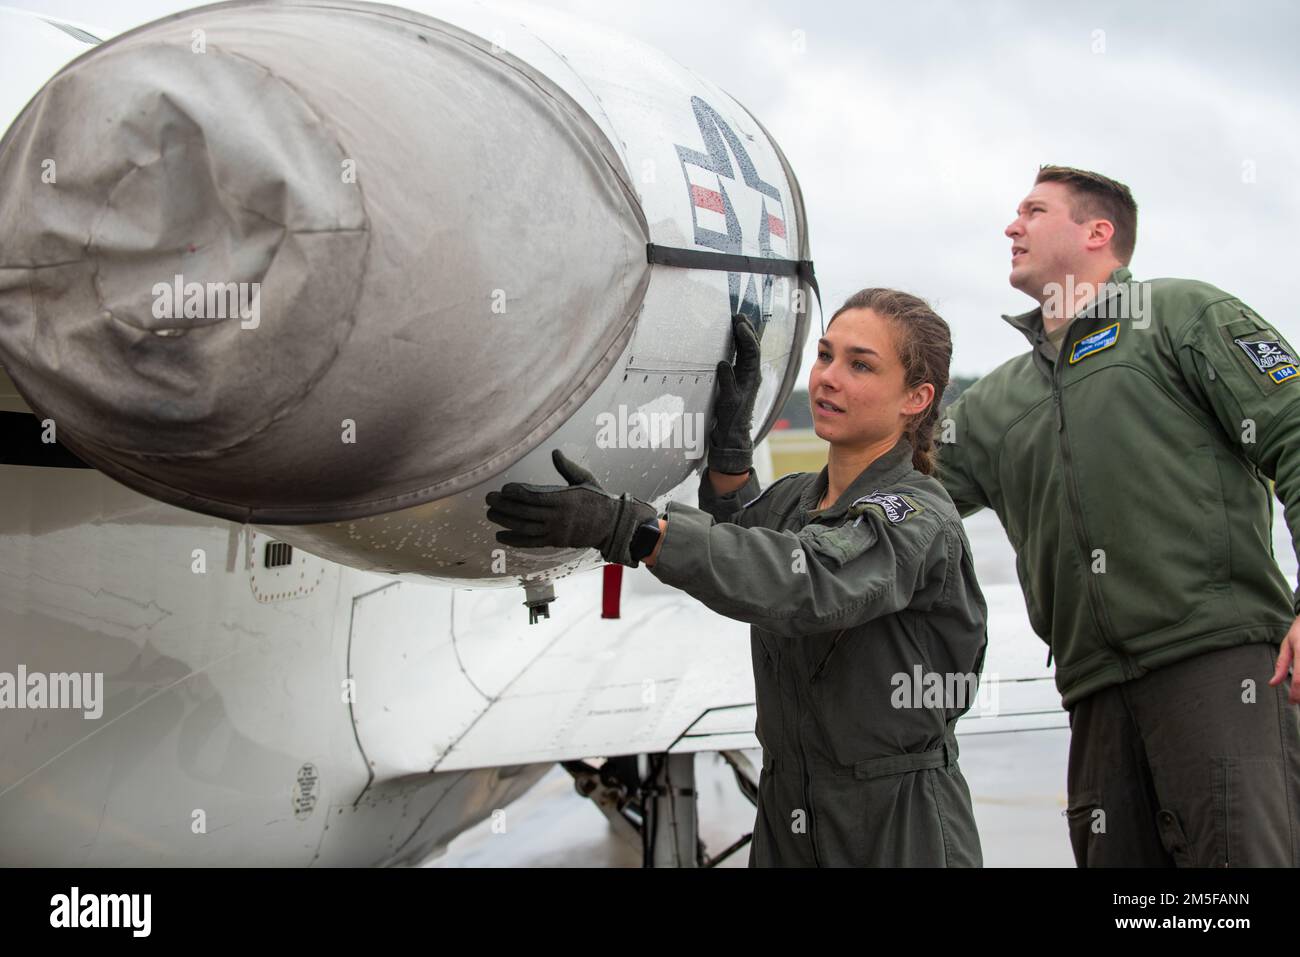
[916, 128]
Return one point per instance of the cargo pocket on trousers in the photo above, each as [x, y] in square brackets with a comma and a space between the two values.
[1173, 838]
[1251, 814]
[1083, 823]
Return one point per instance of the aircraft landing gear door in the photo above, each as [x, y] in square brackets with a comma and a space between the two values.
[672, 824]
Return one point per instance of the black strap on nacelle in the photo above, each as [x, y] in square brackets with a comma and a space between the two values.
[801, 269]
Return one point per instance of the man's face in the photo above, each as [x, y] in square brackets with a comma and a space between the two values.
[1046, 243]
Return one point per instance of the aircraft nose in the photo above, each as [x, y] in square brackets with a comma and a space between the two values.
[283, 257]
[182, 198]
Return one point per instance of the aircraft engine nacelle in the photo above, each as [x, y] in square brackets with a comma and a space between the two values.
[342, 268]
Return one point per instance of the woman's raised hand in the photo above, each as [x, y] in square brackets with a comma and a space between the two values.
[731, 449]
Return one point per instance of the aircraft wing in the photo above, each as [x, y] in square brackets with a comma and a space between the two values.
[669, 675]
[464, 681]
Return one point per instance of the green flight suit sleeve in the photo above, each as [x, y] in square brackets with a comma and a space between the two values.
[727, 507]
[958, 460]
[1249, 378]
[817, 579]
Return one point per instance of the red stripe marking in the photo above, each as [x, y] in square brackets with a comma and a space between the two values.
[708, 198]
[777, 226]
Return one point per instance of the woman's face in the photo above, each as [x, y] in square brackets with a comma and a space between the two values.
[859, 372]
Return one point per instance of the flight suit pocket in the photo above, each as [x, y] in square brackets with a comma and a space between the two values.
[1082, 819]
[769, 720]
[840, 543]
[1251, 813]
[1174, 838]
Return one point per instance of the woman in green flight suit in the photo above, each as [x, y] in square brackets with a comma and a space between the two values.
[868, 626]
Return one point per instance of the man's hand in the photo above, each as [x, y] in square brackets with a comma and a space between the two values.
[578, 515]
[1289, 657]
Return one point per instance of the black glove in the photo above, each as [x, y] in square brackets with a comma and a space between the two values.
[731, 450]
[578, 515]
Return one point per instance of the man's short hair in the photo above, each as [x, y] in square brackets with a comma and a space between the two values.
[1098, 197]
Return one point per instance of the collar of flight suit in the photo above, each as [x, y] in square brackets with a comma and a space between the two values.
[1030, 324]
[880, 474]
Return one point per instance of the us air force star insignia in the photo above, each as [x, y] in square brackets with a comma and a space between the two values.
[1266, 353]
[733, 208]
[895, 507]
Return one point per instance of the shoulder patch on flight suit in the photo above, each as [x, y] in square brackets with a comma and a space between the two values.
[895, 508]
[1267, 358]
[1266, 353]
[769, 488]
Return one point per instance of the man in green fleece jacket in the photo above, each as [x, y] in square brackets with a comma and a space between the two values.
[1129, 456]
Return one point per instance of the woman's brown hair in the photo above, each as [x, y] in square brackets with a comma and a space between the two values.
[924, 346]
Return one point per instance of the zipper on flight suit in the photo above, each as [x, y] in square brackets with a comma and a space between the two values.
[1076, 520]
[836, 641]
[803, 752]
[807, 778]
[807, 784]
